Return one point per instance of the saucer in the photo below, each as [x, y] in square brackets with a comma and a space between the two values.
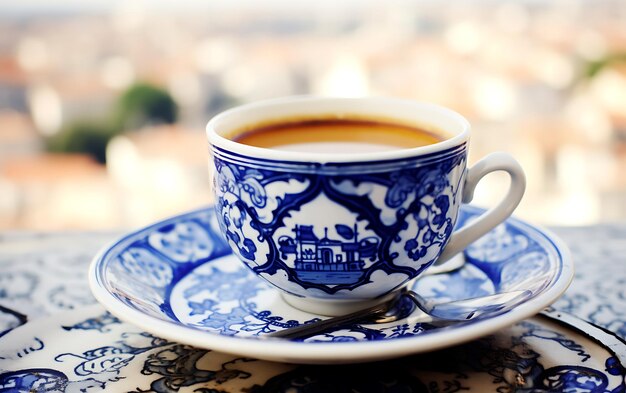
[178, 280]
[88, 349]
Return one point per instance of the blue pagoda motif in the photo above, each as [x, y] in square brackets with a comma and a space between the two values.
[329, 261]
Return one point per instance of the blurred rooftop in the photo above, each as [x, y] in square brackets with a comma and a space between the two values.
[545, 81]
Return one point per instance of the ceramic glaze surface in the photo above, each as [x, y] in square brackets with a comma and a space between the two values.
[343, 230]
[338, 231]
[182, 273]
[85, 348]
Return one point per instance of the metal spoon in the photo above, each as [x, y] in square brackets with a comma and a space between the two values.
[405, 303]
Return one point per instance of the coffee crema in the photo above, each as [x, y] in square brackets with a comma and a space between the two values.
[338, 135]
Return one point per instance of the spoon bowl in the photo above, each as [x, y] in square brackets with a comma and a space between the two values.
[409, 304]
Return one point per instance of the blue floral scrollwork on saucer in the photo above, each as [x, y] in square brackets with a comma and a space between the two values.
[179, 279]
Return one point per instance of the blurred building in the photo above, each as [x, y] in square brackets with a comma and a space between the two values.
[545, 81]
[157, 172]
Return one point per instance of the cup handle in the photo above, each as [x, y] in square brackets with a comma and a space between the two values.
[461, 238]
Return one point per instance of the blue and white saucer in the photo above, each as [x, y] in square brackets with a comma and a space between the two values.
[178, 280]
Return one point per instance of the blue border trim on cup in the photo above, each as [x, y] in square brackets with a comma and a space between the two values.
[334, 168]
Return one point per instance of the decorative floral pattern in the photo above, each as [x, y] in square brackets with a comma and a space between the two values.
[598, 293]
[537, 355]
[45, 273]
[98, 361]
[216, 293]
[390, 221]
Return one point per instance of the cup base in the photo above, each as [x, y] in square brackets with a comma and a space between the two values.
[332, 308]
[452, 264]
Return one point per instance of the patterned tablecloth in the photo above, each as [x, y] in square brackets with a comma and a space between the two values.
[44, 274]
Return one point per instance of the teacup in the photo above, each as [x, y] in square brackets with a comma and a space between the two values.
[338, 202]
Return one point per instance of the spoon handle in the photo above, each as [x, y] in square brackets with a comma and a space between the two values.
[438, 314]
[313, 328]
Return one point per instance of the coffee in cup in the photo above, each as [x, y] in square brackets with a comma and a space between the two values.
[338, 135]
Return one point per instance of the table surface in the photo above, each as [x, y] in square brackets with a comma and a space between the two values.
[45, 274]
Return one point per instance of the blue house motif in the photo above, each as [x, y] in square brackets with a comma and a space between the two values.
[329, 261]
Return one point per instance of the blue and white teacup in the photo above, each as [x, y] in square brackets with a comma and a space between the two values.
[339, 228]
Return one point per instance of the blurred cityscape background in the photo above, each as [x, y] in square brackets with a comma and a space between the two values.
[103, 103]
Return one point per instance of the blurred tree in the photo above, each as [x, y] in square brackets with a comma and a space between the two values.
[85, 136]
[143, 104]
[593, 68]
